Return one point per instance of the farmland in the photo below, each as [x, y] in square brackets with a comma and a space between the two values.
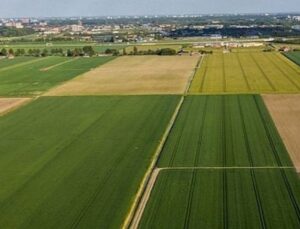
[224, 131]
[246, 72]
[7, 104]
[133, 76]
[231, 198]
[294, 56]
[32, 76]
[61, 45]
[72, 161]
[285, 111]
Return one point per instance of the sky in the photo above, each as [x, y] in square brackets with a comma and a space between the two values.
[64, 8]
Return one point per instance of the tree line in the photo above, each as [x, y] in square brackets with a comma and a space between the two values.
[136, 52]
[85, 51]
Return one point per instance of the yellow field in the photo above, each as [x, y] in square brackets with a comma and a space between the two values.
[246, 72]
[133, 75]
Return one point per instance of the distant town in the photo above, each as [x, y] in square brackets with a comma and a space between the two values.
[150, 28]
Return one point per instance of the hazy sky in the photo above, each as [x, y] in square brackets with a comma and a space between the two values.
[20, 8]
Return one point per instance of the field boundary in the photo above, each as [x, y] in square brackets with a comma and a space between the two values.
[137, 208]
[17, 106]
[23, 64]
[221, 168]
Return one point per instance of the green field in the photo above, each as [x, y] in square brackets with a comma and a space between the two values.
[77, 161]
[32, 76]
[246, 72]
[294, 56]
[232, 198]
[9, 62]
[224, 131]
[62, 45]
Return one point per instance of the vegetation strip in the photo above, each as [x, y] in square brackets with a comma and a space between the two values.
[132, 219]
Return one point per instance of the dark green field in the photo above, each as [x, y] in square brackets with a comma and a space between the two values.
[224, 131]
[31, 76]
[294, 56]
[261, 198]
[69, 162]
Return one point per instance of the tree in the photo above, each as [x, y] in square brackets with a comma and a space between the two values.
[166, 52]
[11, 52]
[44, 53]
[3, 52]
[69, 52]
[135, 50]
[124, 52]
[88, 50]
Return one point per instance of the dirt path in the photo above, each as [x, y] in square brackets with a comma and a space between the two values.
[139, 213]
[22, 64]
[221, 168]
[9, 104]
[285, 111]
[56, 65]
[133, 218]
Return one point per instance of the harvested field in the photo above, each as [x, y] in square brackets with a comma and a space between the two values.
[7, 104]
[133, 75]
[246, 72]
[249, 198]
[77, 162]
[285, 110]
[33, 76]
[224, 131]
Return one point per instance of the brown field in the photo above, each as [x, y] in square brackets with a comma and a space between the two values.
[133, 75]
[285, 110]
[8, 104]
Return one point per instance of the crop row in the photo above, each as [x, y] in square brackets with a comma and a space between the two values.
[224, 131]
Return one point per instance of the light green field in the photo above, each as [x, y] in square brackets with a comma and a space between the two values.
[246, 72]
[76, 162]
[32, 76]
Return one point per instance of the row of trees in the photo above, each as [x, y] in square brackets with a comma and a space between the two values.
[135, 51]
[85, 51]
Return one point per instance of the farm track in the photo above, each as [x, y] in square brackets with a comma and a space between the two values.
[133, 218]
[59, 64]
